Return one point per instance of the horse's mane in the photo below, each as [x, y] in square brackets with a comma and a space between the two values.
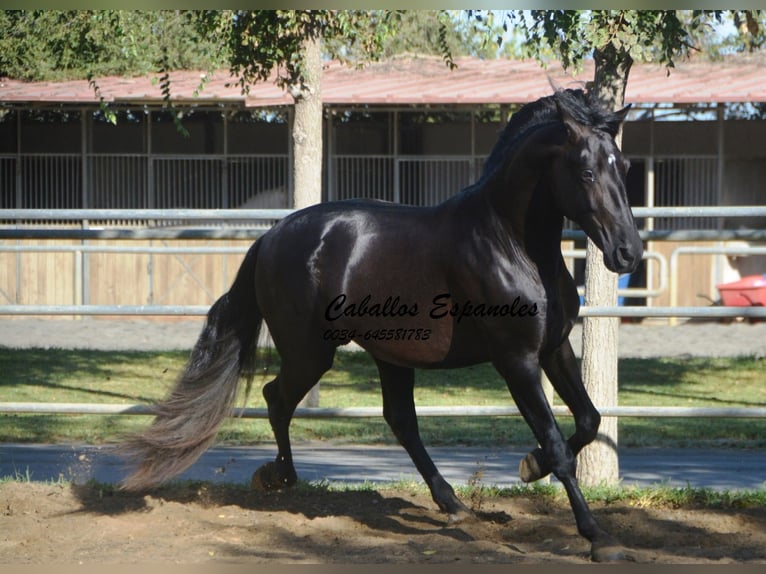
[578, 104]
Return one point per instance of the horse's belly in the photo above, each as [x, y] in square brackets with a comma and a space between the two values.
[409, 347]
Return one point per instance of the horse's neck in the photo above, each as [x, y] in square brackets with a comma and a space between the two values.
[524, 204]
[524, 210]
[542, 229]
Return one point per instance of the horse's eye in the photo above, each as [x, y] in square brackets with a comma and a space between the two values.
[588, 176]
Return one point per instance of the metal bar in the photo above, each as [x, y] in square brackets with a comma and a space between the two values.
[123, 310]
[720, 156]
[702, 211]
[684, 412]
[223, 214]
[129, 214]
[173, 310]
[687, 234]
[136, 234]
[120, 249]
[649, 183]
[75, 409]
[19, 167]
[631, 291]
[709, 312]
[255, 232]
[224, 165]
[374, 412]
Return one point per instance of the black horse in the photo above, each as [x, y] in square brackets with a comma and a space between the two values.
[477, 278]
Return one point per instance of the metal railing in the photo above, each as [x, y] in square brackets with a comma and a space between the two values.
[85, 216]
[374, 412]
[87, 230]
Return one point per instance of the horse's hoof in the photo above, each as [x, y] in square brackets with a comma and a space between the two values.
[609, 551]
[268, 477]
[529, 469]
[261, 480]
[461, 516]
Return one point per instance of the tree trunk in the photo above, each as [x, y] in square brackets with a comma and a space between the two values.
[307, 145]
[598, 462]
[307, 129]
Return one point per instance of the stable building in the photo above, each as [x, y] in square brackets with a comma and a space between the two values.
[407, 130]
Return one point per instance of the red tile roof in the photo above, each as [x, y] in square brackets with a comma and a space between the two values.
[425, 81]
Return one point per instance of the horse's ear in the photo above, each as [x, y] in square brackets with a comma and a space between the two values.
[618, 118]
[623, 113]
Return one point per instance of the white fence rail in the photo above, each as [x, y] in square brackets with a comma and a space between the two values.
[84, 217]
[374, 412]
[201, 310]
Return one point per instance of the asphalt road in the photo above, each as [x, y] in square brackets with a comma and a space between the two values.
[720, 469]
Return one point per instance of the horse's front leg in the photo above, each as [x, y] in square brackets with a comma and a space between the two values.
[522, 375]
[561, 367]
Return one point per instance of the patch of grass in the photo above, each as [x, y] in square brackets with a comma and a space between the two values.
[65, 376]
[668, 497]
[726, 382]
[37, 375]
[693, 382]
[25, 477]
[658, 496]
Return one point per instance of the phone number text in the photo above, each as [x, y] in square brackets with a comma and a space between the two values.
[346, 335]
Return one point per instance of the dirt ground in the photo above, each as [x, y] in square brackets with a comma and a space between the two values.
[191, 524]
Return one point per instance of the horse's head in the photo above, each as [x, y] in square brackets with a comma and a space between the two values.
[588, 175]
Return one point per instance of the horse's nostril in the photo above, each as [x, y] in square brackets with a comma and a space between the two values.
[625, 256]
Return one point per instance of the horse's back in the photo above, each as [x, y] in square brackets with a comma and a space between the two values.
[337, 229]
[336, 247]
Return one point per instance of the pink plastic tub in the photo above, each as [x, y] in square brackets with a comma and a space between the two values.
[748, 291]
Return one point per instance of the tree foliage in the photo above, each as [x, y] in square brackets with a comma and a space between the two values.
[745, 33]
[60, 44]
[446, 32]
[259, 43]
[639, 35]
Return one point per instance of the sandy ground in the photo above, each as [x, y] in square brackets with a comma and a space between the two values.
[49, 524]
[76, 524]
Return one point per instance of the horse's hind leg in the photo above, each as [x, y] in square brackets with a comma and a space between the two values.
[296, 377]
[522, 376]
[561, 368]
[397, 384]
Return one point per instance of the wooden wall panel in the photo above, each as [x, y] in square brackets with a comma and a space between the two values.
[694, 273]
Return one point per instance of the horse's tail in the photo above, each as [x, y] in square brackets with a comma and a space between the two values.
[187, 421]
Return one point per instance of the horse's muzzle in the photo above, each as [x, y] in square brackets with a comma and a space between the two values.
[624, 258]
